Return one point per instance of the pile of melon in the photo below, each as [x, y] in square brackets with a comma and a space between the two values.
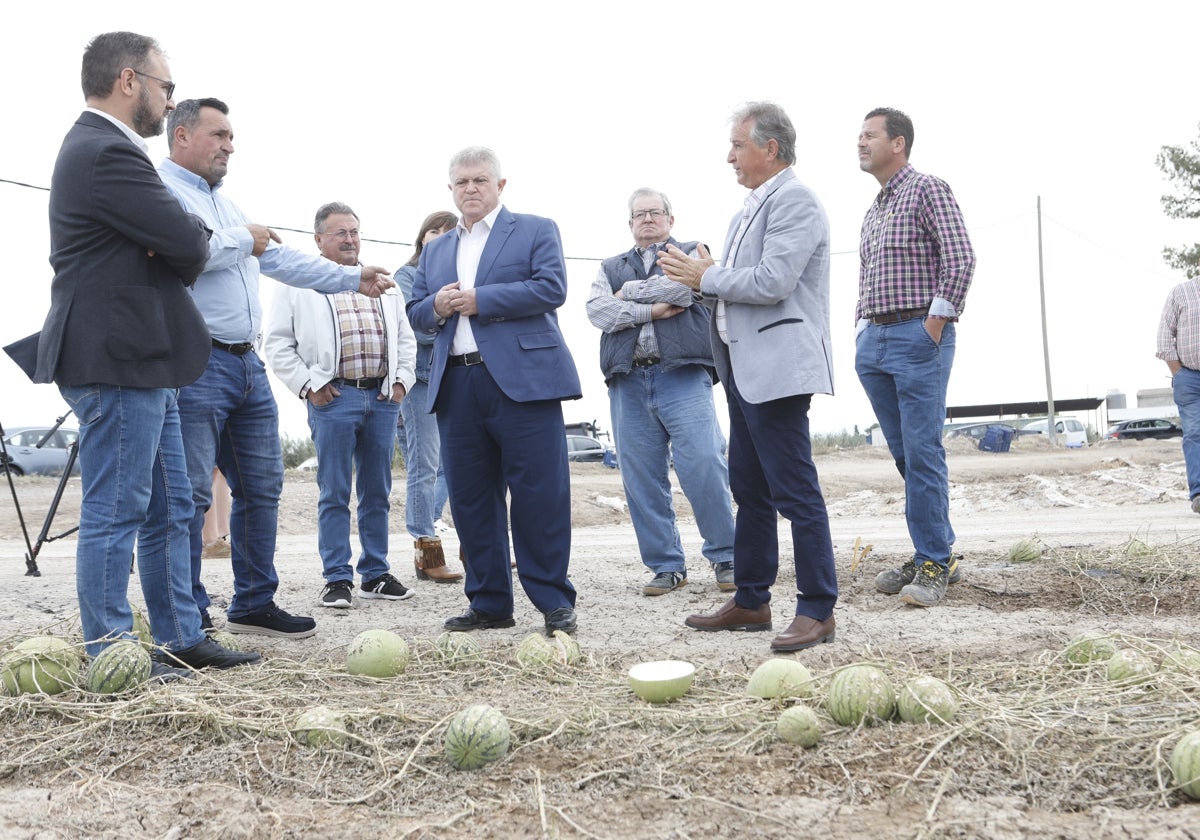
[858, 695]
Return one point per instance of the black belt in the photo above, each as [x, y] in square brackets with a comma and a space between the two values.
[645, 363]
[899, 316]
[475, 358]
[364, 384]
[236, 349]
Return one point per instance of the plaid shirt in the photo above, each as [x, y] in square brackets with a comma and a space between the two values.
[914, 248]
[363, 351]
[1179, 327]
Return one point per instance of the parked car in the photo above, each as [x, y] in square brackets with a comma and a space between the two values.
[1066, 429]
[1143, 429]
[975, 431]
[584, 448]
[25, 458]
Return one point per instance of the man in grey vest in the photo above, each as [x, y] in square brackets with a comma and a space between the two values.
[656, 356]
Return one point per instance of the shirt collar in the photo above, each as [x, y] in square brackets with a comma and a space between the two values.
[136, 138]
[660, 246]
[902, 174]
[760, 192]
[489, 221]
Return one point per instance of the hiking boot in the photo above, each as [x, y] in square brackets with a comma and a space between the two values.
[893, 580]
[272, 621]
[724, 575]
[337, 594]
[927, 587]
[1196, 504]
[386, 587]
[665, 582]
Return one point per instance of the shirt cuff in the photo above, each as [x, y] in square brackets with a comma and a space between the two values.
[942, 308]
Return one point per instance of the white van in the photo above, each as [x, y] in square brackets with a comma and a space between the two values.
[1067, 430]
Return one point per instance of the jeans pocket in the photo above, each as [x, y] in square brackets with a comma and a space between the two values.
[84, 401]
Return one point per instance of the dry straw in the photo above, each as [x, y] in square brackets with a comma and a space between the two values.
[1057, 737]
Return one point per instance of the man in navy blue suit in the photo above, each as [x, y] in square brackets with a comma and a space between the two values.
[500, 370]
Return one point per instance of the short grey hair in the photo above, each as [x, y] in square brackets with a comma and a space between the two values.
[647, 192]
[187, 114]
[333, 208]
[474, 156]
[770, 123]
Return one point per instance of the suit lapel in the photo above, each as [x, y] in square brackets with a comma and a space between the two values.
[505, 223]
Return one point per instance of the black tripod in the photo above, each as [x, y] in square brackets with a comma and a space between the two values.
[31, 567]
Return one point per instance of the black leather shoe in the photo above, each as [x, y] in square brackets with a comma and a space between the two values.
[208, 654]
[562, 619]
[476, 620]
[162, 673]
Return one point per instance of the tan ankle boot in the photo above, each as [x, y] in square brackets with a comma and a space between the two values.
[430, 562]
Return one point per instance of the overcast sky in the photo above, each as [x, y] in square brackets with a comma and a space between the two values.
[585, 102]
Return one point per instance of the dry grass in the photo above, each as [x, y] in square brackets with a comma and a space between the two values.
[1059, 737]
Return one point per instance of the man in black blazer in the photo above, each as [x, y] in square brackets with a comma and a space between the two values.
[121, 337]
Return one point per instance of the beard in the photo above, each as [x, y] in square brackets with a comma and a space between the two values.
[145, 122]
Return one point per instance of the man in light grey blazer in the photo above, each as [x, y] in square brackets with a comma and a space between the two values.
[771, 346]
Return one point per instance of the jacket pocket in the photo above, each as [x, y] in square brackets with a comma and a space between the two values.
[137, 324]
[781, 322]
[539, 341]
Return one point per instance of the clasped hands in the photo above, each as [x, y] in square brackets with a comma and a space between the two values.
[450, 299]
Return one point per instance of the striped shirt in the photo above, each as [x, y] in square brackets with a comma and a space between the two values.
[363, 351]
[1179, 327]
[633, 309]
[914, 249]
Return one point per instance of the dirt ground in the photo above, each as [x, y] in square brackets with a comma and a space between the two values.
[589, 760]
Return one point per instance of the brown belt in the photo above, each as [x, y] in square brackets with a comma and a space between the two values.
[899, 316]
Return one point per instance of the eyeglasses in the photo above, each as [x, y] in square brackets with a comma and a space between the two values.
[168, 87]
[639, 215]
[341, 234]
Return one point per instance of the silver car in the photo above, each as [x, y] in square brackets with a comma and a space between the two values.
[26, 458]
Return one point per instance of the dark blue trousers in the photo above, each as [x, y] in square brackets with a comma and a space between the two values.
[771, 473]
[493, 448]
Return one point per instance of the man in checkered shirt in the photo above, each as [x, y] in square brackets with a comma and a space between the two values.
[1179, 347]
[916, 267]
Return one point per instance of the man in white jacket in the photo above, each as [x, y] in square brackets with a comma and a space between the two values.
[352, 359]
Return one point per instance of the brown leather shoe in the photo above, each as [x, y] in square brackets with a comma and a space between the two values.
[430, 561]
[804, 632]
[732, 617]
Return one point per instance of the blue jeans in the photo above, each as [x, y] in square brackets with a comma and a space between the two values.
[1186, 386]
[772, 474]
[134, 483]
[905, 375]
[426, 494]
[659, 414]
[355, 435]
[230, 421]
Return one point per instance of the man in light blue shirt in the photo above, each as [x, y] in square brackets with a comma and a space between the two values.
[229, 416]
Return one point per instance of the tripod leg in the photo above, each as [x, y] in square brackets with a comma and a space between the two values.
[31, 558]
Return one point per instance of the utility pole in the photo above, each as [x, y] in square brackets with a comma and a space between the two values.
[1045, 338]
